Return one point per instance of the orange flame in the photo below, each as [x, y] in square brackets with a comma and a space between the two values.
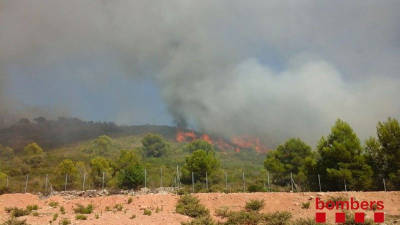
[207, 138]
[236, 143]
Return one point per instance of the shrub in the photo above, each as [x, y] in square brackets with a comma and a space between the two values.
[130, 200]
[132, 217]
[350, 220]
[62, 210]
[255, 188]
[147, 212]
[254, 205]
[65, 221]
[14, 221]
[305, 205]
[118, 207]
[204, 220]
[96, 216]
[278, 218]
[53, 204]
[55, 216]
[190, 206]
[83, 210]
[32, 207]
[243, 217]
[80, 217]
[17, 212]
[35, 214]
[302, 221]
[222, 212]
[107, 208]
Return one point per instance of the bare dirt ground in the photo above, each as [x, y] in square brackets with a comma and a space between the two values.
[166, 215]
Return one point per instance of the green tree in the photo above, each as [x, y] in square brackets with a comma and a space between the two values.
[376, 158]
[288, 158]
[342, 160]
[34, 155]
[98, 165]
[66, 168]
[102, 145]
[200, 162]
[199, 145]
[131, 177]
[6, 152]
[154, 145]
[33, 149]
[389, 150]
[3, 181]
[130, 173]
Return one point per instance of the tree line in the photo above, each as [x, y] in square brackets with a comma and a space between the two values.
[338, 162]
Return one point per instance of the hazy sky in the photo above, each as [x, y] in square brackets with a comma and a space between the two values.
[274, 69]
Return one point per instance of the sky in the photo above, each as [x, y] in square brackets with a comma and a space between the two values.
[271, 69]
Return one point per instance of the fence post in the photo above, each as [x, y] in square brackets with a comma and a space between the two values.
[47, 180]
[26, 182]
[102, 185]
[145, 178]
[244, 182]
[291, 180]
[161, 183]
[84, 180]
[192, 182]
[66, 182]
[226, 181]
[319, 183]
[384, 184]
[177, 176]
[206, 182]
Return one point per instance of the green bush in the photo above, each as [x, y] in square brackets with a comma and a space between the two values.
[55, 216]
[278, 218]
[190, 206]
[65, 221]
[62, 210]
[14, 221]
[118, 207]
[302, 221]
[255, 188]
[305, 205]
[130, 200]
[243, 217]
[254, 205]
[53, 204]
[32, 207]
[83, 210]
[80, 217]
[147, 212]
[222, 212]
[204, 220]
[17, 212]
[253, 217]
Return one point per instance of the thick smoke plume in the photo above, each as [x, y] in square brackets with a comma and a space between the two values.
[273, 69]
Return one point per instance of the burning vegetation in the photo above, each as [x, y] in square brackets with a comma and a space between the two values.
[236, 143]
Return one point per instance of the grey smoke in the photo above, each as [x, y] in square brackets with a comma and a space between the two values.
[273, 69]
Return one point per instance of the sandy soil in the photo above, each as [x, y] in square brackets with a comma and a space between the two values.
[165, 203]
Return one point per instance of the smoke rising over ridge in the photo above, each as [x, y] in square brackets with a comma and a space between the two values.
[272, 69]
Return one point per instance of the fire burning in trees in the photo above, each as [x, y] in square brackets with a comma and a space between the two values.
[235, 144]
